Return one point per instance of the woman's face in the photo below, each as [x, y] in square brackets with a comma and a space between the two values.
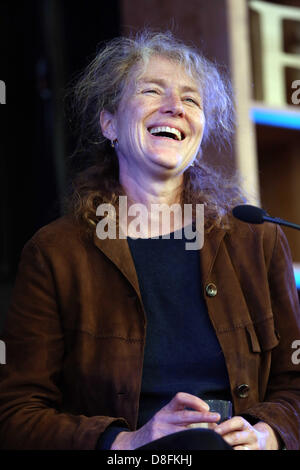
[160, 121]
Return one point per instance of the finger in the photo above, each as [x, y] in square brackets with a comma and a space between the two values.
[234, 424]
[203, 425]
[186, 417]
[182, 400]
[212, 425]
[244, 438]
[242, 448]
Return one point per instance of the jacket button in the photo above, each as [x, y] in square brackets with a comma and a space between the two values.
[243, 390]
[211, 289]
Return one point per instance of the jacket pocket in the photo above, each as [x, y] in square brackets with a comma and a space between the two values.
[262, 335]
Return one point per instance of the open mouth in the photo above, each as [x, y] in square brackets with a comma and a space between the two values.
[166, 131]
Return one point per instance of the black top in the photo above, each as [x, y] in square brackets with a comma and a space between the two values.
[182, 352]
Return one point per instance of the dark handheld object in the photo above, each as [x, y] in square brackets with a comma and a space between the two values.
[256, 215]
[223, 407]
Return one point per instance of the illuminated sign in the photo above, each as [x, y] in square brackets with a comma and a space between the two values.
[274, 58]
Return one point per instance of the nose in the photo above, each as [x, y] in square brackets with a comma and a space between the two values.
[173, 105]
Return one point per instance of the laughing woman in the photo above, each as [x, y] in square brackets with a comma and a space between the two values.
[116, 342]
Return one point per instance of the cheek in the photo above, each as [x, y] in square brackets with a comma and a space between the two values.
[200, 124]
[130, 120]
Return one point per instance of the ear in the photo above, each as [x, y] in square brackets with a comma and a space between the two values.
[107, 123]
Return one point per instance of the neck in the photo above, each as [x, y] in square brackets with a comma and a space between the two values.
[143, 189]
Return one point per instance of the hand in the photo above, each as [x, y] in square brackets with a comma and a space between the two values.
[170, 419]
[238, 433]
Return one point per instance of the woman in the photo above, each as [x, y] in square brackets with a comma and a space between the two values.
[117, 341]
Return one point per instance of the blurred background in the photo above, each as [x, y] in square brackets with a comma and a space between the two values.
[45, 43]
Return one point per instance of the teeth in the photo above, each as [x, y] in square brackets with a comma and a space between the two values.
[171, 130]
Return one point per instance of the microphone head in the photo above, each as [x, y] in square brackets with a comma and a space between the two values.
[250, 214]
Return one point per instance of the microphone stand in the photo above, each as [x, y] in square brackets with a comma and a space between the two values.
[276, 220]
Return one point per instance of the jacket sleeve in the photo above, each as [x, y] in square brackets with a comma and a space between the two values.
[281, 407]
[30, 394]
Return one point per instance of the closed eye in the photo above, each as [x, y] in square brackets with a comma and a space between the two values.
[151, 91]
[191, 100]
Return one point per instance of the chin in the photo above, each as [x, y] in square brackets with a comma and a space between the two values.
[168, 160]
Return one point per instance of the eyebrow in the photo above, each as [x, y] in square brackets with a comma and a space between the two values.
[161, 82]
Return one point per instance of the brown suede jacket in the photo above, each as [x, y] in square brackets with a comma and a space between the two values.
[75, 334]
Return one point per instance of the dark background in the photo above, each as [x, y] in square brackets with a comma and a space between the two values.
[43, 44]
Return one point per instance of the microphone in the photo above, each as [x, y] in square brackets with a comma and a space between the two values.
[256, 215]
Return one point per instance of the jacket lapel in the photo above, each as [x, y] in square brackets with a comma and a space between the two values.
[208, 253]
[117, 250]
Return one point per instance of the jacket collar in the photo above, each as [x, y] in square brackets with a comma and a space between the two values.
[208, 253]
[118, 251]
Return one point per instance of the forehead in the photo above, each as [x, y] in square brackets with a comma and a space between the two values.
[160, 67]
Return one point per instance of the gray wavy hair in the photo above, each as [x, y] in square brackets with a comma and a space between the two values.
[103, 81]
[101, 86]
